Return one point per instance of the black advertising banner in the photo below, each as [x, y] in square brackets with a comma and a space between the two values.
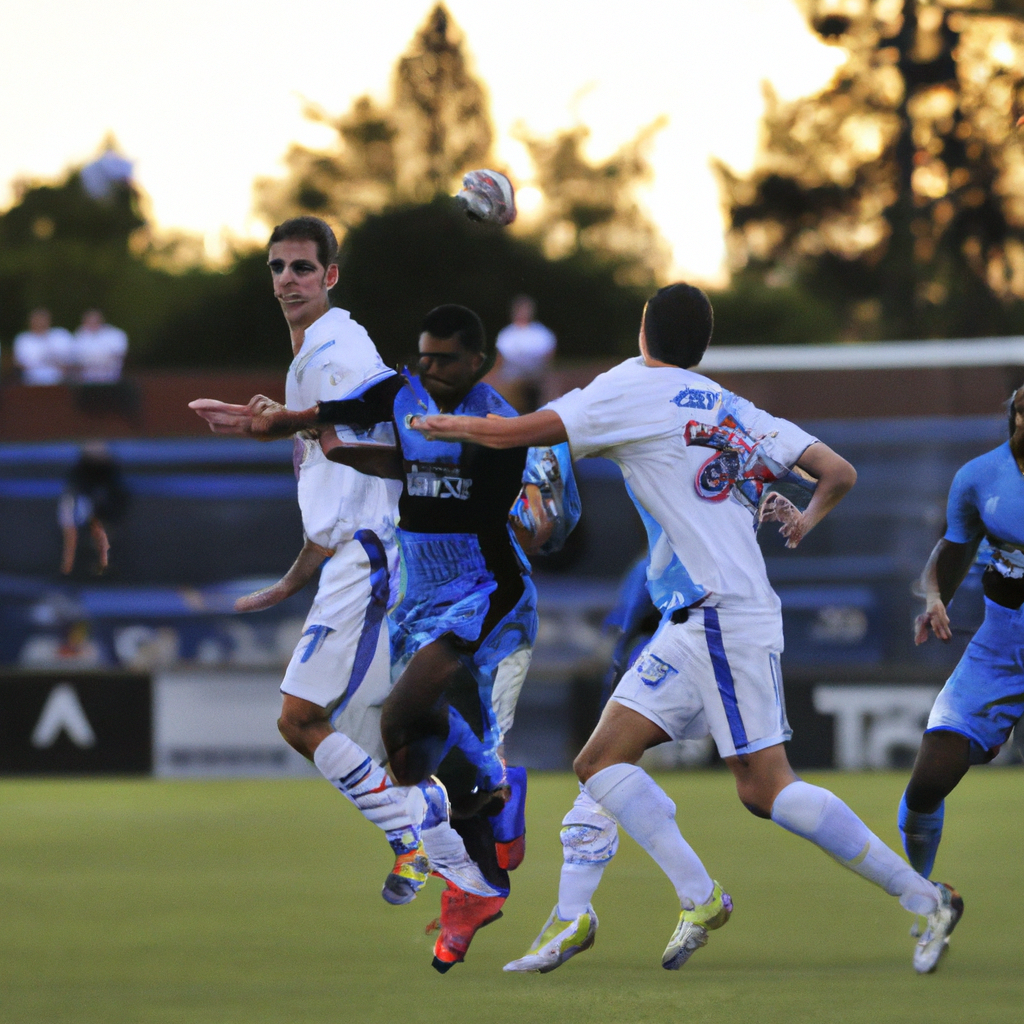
[75, 722]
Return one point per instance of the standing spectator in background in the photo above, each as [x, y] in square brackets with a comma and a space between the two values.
[95, 497]
[41, 353]
[525, 347]
[98, 351]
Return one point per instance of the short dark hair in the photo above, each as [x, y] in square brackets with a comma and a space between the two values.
[309, 229]
[457, 322]
[462, 324]
[1011, 406]
[678, 321]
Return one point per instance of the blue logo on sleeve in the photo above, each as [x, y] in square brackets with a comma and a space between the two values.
[696, 398]
[653, 671]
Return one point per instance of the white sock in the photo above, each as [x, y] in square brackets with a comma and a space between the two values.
[590, 838]
[820, 816]
[448, 857]
[398, 810]
[644, 810]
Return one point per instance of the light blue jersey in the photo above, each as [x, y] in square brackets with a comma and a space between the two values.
[987, 500]
[984, 697]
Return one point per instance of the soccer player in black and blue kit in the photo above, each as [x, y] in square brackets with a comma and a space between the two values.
[465, 624]
[982, 700]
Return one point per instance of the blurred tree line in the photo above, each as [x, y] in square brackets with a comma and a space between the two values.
[889, 205]
[589, 259]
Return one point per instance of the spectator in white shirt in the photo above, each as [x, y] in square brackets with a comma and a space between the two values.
[99, 350]
[41, 353]
[526, 347]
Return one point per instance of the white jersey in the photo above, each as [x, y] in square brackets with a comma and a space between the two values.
[99, 354]
[695, 458]
[337, 360]
[43, 357]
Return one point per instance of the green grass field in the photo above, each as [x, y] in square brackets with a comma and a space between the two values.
[223, 902]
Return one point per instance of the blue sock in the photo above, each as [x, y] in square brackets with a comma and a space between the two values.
[921, 834]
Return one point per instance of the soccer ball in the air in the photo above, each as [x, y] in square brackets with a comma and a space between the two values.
[488, 196]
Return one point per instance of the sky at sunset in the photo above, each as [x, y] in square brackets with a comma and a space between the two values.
[206, 95]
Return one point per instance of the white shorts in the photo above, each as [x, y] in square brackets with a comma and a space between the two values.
[716, 673]
[342, 662]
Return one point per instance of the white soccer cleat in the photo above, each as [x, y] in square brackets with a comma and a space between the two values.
[940, 924]
[692, 931]
[558, 941]
[488, 196]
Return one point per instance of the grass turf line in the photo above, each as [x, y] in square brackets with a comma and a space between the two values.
[250, 901]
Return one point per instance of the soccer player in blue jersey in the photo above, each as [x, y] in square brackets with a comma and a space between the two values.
[697, 460]
[982, 700]
[464, 624]
[463, 630]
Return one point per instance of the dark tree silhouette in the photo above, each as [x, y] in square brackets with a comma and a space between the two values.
[896, 195]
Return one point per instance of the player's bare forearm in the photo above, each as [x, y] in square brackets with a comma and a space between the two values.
[370, 460]
[302, 571]
[944, 571]
[835, 477]
[262, 418]
[544, 427]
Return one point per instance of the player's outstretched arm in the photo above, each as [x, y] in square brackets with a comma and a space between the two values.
[263, 418]
[834, 475]
[943, 573]
[543, 427]
[302, 571]
[371, 460]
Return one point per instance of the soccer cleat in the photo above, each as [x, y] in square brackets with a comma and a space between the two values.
[692, 931]
[559, 941]
[487, 196]
[407, 877]
[463, 914]
[940, 924]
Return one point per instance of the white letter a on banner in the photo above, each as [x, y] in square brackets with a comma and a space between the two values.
[63, 713]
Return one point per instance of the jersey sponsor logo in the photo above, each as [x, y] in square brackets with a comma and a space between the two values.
[424, 482]
[317, 635]
[653, 671]
[740, 466]
[716, 477]
[696, 398]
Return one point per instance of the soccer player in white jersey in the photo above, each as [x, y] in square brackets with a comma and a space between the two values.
[340, 672]
[696, 459]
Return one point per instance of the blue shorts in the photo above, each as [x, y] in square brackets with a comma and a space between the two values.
[447, 587]
[984, 697]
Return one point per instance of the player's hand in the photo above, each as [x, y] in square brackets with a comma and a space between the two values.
[778, 509]
[262, 418]
[222, 417]
[435, 428]
[935, 618]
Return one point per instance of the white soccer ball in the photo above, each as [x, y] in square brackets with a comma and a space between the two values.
[488, 196]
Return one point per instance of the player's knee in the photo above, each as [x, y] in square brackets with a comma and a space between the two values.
[755, 798]
[297, 724]
[585, 765]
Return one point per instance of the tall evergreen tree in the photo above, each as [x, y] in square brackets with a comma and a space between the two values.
[435, 126]
[896, 195]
